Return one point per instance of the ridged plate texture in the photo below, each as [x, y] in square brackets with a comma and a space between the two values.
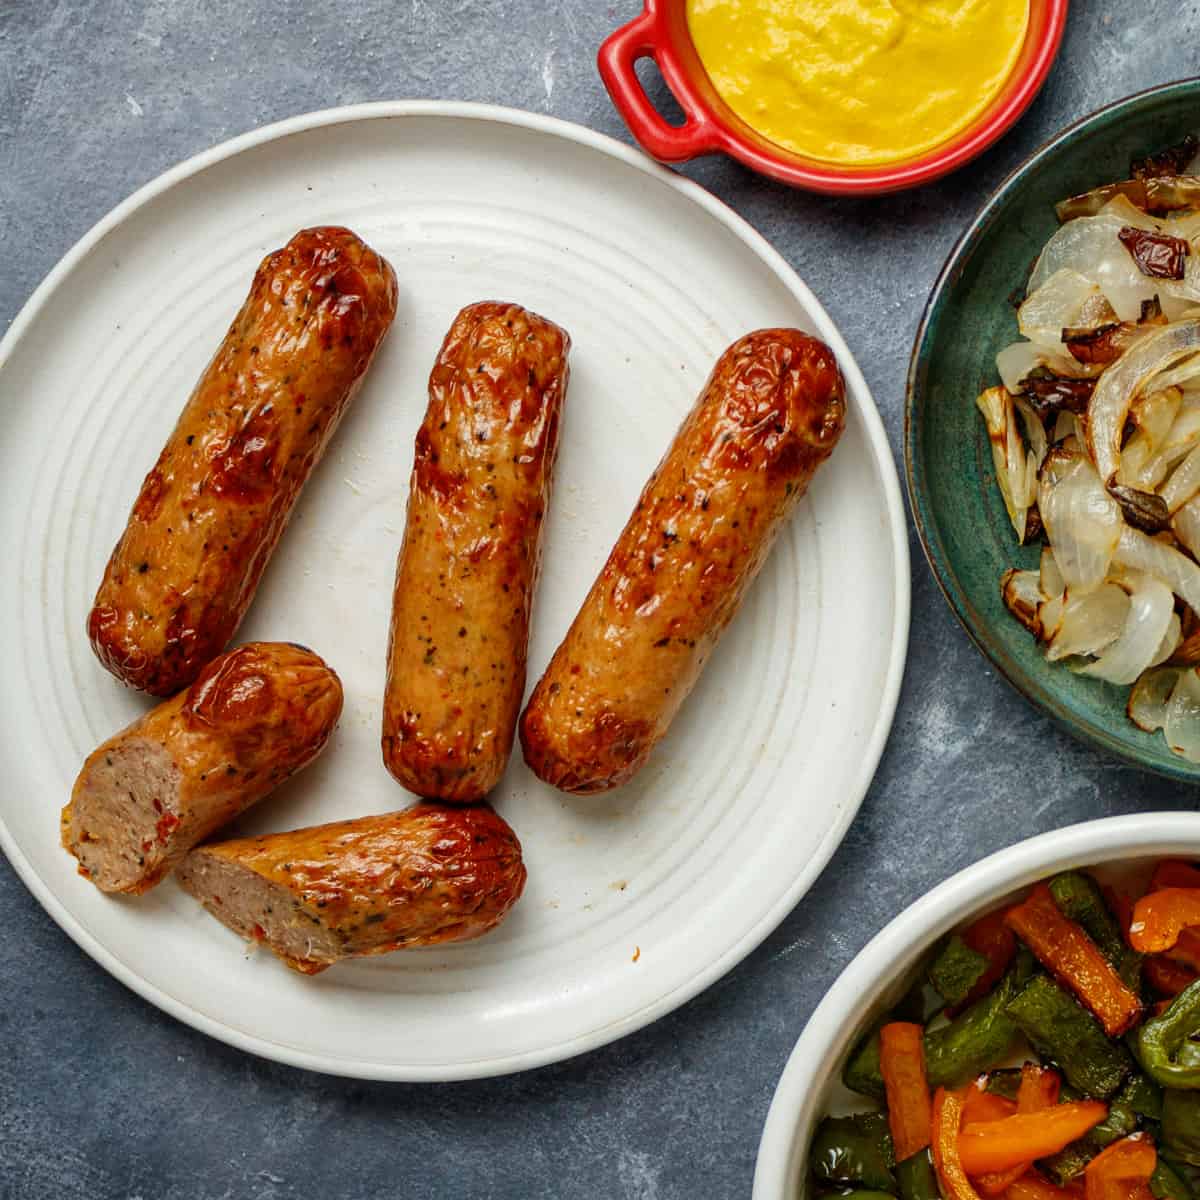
[635, 900]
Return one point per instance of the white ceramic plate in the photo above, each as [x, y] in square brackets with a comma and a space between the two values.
[882, 971]
[637, 900]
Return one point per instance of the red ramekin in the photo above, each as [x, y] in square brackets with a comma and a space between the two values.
[711, 126]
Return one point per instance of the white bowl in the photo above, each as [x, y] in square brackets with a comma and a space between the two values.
[876, 978]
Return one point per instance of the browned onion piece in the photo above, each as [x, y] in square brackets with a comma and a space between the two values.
[1088, 204]
[1049, 393]
[1169, 161]
[1158, 255]
[1022, 596]
[1144, 510]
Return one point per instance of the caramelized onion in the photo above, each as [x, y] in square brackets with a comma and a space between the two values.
[1124, 380]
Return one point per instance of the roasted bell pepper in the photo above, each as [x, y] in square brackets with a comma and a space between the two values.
[1167, 1184]
[999, 1145]
[1142, 1096]
[1031, 1186]
[1067, 951]
[947, 1119]
[992, 938]
[917, 1178]
[1174, 872]
[955, 1053]
[1139, 1097]
[1123, 1171]
[1166, 975]
[1064, 1031]
[981, 1105]
[902, 1064]
[854, 1151]
[1038, 1090]
[1187, 948]
[1168, 1047]
[1181, 1126]
[1004, 1081]
[1080, 899]
[956, 970]
[1160, 917]
[1067, 1166]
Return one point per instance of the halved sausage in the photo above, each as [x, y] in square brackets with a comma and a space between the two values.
[254, 717]
[421, 877]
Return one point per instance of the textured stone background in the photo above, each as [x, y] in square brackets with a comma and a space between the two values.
[101, 1095]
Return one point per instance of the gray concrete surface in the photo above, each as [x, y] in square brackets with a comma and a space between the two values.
[101, 1096]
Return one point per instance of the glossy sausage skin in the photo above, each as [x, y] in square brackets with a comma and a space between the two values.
[769, 415]
[469, 563]
[421, 877]
[213, 507]
[256, 715]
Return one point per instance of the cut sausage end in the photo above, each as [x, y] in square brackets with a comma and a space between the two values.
[422, 877]
[260, 911]
[123, 812]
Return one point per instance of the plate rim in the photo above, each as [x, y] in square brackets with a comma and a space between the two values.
[968, 243]
[876, 439]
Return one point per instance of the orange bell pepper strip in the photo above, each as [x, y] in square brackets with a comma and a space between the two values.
[1122, 1171]
[1067, 951]
[902, 1064]
[999, 1145]
[1039, 1090]
[1160, 917]
[980, 1105]
[1031, 1186]
[1166, 976]
[943, 1147]
[992, 938]
[1174, 872]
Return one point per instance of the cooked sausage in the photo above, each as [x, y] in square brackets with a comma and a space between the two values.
[314, 896]
[769, 415]
[469, 562]
[255, 716]
[211, 510]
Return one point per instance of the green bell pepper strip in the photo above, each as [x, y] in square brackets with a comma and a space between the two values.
[917, 1178]
[1180, 1137]
[1143, 1095]
[1063, 1031]
[956, 970]
[1167, 1184]
[1069, 1163]
[978, 1037]
[1168, 1047]
[1139, 1097]
[1079, 899]
[855, 1150]
[1005, 1082]
[862, 1072]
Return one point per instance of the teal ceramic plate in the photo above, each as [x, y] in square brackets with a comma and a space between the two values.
[960, 515]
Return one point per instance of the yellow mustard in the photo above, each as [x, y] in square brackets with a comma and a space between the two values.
[858, 81]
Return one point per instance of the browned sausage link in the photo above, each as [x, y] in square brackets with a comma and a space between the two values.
[210, 512]
[468, 566]
[255, 716]
[314, 896]
[770, 414]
